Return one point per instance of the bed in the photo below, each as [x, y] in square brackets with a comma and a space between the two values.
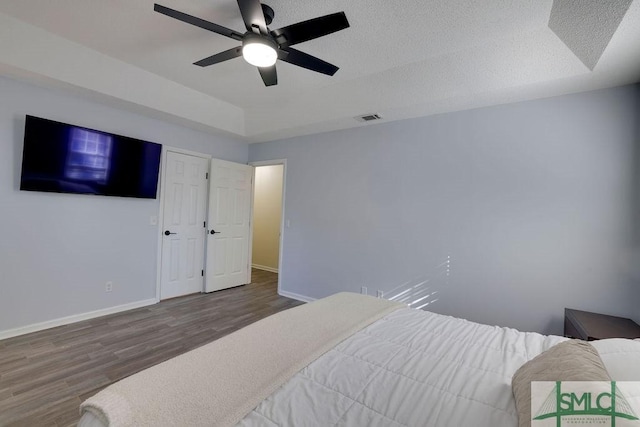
[345, 360]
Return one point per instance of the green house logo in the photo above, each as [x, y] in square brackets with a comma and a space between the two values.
[584, 403]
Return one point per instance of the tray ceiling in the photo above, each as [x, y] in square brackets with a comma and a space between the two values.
[400, 59]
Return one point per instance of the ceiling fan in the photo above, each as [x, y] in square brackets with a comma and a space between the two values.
[262, 47]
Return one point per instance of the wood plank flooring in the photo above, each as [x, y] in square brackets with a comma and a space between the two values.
[44, 376]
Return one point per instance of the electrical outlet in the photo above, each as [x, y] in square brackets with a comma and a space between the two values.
[363, 290]
[380, 293]
[108, 287]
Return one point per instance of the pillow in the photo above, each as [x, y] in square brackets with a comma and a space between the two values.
[621, 357]
[571, 360]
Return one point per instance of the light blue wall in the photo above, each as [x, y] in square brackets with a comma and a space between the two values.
[532, 202]
[58, 250]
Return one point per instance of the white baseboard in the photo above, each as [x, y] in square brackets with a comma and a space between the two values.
[296, 296]
[73, 319]
[264, 267]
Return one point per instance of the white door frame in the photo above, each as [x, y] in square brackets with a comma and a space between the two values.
[273, 162]
[160, 240]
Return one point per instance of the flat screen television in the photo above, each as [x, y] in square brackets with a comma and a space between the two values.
[64, 158]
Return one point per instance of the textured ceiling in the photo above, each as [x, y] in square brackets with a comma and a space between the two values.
[399, 59]
[587, 27]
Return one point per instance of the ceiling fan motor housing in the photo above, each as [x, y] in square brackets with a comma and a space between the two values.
[268, 14]
[258, 38]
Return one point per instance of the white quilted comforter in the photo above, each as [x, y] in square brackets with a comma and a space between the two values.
[410, 368]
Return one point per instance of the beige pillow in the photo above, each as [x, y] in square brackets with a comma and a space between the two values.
[572, 360]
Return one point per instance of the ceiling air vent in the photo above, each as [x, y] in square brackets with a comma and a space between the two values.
[368, 117]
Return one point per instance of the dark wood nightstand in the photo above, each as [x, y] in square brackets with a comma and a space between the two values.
[593, 326]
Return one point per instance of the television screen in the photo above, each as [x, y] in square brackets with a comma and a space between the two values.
[63, 158]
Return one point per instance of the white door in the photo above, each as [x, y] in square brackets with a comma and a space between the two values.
[185, 204]
[228, 223]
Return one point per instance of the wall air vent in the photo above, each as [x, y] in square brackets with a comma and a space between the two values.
[368, 117]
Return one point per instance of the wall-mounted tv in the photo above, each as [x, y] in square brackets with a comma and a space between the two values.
[63, 158]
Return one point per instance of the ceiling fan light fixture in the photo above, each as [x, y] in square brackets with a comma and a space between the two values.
[259, 51]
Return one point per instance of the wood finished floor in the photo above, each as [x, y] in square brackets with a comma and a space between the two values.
[44, 376]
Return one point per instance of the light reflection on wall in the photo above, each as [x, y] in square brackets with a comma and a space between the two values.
[88, 156]
[419, 292]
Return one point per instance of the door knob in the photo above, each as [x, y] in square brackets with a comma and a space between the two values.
[167, 233]
[215, 232]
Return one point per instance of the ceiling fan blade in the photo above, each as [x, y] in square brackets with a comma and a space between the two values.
[311, 29]
[253, 16]
[220, 57]
[269, 75]
[307, 61]
[180, 16]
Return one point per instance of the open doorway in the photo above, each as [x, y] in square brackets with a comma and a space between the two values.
[268, 220]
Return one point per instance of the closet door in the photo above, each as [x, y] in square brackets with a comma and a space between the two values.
[183, 229]
[228, 225]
